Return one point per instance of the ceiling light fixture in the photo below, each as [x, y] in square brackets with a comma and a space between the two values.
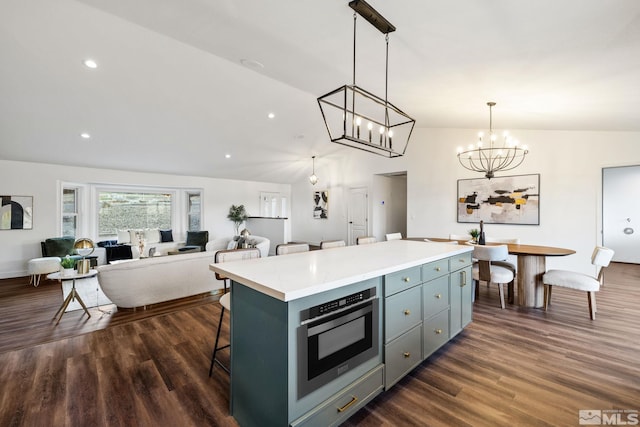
[90, 63]
[359, 119]
[271, 115]
[85, 135]
[492, 159]
[313, 179]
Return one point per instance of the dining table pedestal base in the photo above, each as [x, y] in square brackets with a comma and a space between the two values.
[531, 268]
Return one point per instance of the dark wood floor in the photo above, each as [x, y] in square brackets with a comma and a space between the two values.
[510, 367]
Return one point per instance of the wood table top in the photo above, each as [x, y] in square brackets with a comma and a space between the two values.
[514, 248]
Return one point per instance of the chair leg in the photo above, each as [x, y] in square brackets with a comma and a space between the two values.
[500, 286]
[510, 294]
[215, 345]
[591, 296]
[476, 289]
[547, 296]
[550, 289]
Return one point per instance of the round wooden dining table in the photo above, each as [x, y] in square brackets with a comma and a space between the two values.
[531, 267]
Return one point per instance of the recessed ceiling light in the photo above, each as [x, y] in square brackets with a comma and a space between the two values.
[85, 135]
[252, 63]
[271, 115]
[90, 63]
[227, 156]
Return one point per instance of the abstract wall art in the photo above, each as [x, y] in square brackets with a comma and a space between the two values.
[321, 204]
[16, 212]
[501, 200]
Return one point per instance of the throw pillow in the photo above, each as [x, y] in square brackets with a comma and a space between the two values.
[151, 235]
[123, 237]
[166, 236]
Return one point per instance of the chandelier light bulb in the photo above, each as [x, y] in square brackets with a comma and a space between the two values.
[369, 125]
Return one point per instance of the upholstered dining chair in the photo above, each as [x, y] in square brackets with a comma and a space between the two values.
[326, 244]
[484, 271]
[506, 264]
[291, 248]
[225, 299]
[601, 258]
[393, 236]
[365, 240]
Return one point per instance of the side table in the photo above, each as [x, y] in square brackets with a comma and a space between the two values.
[72, 295]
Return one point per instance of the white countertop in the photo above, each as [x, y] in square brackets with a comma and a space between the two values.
[289, 277]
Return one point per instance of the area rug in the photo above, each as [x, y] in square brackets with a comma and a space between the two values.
[89, 290]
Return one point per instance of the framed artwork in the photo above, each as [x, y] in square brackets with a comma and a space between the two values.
[16, 212]
[321, 204]
[500, 200]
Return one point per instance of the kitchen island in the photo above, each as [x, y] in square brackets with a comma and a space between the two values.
[402, 299]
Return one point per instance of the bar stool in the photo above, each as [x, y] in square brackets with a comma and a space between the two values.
[291, 248]
[225, 300]
[393, 236]
[326, 244]
[365, 240]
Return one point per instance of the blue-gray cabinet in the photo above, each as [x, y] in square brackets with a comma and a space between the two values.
[424, 307]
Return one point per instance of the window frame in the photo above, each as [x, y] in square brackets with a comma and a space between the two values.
[88, 206]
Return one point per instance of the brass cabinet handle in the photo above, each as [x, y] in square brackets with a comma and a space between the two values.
[407, 312]
[438, 331]
[438, 296]
[437, 268]
[407, 279]
[406, 354]
[462, 260]
[463, 278]
[351, 402]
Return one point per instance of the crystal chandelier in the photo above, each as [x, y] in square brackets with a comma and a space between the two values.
[493, 158]
[359, 119]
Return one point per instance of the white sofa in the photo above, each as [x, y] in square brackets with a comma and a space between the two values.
[152, 239]
[141, 282]
[222, 243]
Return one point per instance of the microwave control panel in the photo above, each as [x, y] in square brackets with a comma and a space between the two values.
[337, 304]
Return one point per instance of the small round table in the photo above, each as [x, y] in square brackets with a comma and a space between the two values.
[73, 295]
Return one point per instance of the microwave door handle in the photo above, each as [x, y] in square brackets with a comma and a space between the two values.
[330, 324]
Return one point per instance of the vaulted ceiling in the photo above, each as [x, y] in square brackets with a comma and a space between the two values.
[182, 83]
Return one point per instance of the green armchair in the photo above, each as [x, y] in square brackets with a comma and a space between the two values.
[197, 238]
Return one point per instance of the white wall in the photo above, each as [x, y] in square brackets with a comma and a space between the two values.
[41, 182]
[569, 163]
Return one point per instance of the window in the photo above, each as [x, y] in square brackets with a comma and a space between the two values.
[194, 211]
[122, 210]
[70, 204]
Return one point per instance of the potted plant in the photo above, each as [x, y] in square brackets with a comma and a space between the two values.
[474, 232]
[238, 215]
[67, 263]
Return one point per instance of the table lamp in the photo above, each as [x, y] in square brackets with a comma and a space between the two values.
[83, 247]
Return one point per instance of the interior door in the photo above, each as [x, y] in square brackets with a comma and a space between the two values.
[358, 213]
[621, 212]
